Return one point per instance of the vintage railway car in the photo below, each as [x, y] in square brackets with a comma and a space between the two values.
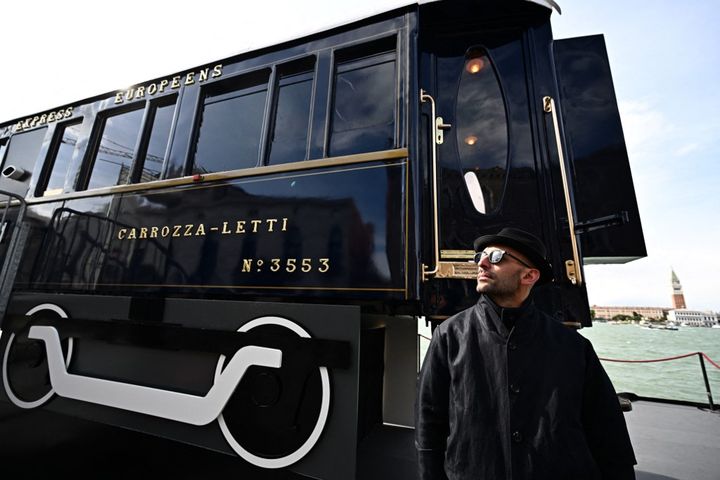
[237, 255]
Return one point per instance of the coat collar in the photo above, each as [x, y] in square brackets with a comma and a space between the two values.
[525, 318]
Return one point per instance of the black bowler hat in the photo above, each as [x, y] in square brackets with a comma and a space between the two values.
[525, 243]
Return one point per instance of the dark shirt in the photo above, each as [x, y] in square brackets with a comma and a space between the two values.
[531, 401]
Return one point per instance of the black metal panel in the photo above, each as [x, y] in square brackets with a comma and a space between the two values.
[334, 232]
[605, 202]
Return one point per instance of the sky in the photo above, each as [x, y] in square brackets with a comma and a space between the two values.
[664, 57]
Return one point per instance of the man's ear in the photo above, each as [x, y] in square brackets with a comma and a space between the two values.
[530, 277]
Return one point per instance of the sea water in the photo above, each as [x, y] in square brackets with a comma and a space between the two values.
[676, 379]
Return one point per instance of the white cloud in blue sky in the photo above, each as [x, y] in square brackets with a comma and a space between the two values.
[664, 56]
[666, 67]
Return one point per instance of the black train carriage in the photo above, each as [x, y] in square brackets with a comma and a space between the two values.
[236, 256]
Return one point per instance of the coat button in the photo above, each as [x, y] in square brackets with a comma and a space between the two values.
[514, 388]
[512, 346]
[517, 437]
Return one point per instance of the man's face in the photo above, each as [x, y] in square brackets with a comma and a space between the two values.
[501, 279]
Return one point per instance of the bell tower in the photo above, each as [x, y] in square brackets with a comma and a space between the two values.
[678, 299]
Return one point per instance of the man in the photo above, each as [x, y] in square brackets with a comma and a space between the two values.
[506, 392]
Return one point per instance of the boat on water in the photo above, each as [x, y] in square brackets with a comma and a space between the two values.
[661, 327]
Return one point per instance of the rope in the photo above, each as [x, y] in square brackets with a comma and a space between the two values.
[665, 359]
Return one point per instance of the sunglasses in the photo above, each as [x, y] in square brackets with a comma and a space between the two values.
[496, 256]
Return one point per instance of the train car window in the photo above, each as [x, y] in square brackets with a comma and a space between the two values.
[116, 148]
[229, 132]
[3, 147]
[62, 149]
[364, 100]
[20, 156]
[289, 135]
[482, 131]
[151, 162]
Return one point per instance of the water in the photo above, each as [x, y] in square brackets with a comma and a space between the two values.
[677, 379]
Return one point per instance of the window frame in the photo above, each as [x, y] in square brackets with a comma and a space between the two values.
[41, 189]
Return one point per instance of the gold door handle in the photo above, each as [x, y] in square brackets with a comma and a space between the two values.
[572, 267]
[436, 121]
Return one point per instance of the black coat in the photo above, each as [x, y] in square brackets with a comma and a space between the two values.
[533, 403]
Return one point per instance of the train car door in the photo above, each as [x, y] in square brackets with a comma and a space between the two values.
[493, 169]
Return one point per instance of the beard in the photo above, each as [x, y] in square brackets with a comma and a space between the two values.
[497, 287]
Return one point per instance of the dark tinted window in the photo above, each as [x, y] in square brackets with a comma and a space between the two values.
[364, 99]
[21, 154]
[230, 130]
[3, 147]
[288, 140]
[482, 131]
[66, 136]
[116, 149]
[152, 161]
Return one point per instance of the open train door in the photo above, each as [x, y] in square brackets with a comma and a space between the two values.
[497, 131]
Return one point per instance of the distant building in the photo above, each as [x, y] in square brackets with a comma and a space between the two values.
[692, 318]
[678, 299]
[650, 313]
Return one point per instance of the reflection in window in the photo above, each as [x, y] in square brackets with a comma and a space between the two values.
[288, 140]
[116, 150]
[482, 131]
[230, 130]
[3, 147]
[152, 161]
[363, 117]
[66, 136]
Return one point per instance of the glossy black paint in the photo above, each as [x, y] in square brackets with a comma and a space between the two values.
[327, 233]
[604, 191]
[192, 371]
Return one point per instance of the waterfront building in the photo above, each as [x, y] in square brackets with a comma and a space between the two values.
[650, 313]
[692, 318]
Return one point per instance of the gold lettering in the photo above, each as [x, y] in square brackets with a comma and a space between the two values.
[175, 82]
[165, 231]
[189, 78]
[43, 119]
[306, 265]
[143, 232]
[26, 123]
[34, 120]
[275, 264]
[132, 235]
[68, 112]
[140, 92]
[18, 126]
[255, 223]
[151, 89]
[247, 264]
[271, 223]
[119, 97]
[176, 230]
[203, 75]
[284, 225]
[130, 94]
[200, 230]
[51, 117]
[217, 70]
[225, 229]
[324, 265]
[240, 226]
[163, 83]
[121, 233]
[290, 266]
[154, 232]
[188, 230]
